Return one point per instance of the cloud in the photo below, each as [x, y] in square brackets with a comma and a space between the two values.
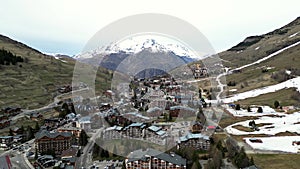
[77, 21]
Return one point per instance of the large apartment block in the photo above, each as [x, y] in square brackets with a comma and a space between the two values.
[58, 141]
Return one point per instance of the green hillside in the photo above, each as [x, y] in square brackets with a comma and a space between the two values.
[34, 82]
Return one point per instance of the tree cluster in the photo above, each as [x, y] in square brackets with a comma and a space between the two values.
[7, 58]
[231, 83]
[237, 154]
[83, 138]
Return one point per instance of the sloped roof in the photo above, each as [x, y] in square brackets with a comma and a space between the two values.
[45, 133]
[193, 136]
[144, 155]
[154, 128]
[182, 108]
[161, 132]
[118, 128]
[153, 109]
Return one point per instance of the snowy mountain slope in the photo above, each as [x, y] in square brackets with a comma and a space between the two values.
[134, 45]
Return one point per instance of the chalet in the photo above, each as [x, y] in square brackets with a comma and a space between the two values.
[65, 89]
[54, 122]
[151, 158]
[196, 141]
[3, 117]
[17, 131]
[58, 141]
[12, 111]
[4, 123]
[6, 142]
[196, 127]
[36, 116]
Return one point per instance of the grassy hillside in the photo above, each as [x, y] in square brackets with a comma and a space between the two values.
[270, 71]
[34, 83]
[257, 47]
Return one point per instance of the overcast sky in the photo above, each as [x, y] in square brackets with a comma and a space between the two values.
[65, 26]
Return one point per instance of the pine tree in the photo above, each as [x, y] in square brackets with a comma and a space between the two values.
[238, 107]
[36, 154]
[37, 126]
[83, 138]
[259, 110]
[276, 104]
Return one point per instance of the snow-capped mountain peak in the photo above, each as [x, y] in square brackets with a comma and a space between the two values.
[153, 44]
[138, 44]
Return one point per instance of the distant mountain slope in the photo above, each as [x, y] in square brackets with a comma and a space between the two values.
[257, 47]
[34, 82]
[116, 52]
[264, 60]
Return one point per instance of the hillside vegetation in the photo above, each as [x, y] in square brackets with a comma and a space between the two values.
[279, 68]
[34, 82]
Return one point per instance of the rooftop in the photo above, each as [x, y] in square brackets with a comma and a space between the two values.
[193, 136]
[48, 134]
[154, 128]
[143, 155]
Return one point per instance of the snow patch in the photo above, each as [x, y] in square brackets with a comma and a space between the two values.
[283, 143]
[295, 82]
[278, 124]
[243, 112]
[257, 48]
[233, 90]
[293, 35]
[268, 57]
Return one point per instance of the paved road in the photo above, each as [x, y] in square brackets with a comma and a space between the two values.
[85, 159]
[51, 105]
[19, 159]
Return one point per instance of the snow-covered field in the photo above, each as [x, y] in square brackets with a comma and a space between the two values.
[271, 125]
[243, 112]
[277, 124]
[295, 82]
[283, 143]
